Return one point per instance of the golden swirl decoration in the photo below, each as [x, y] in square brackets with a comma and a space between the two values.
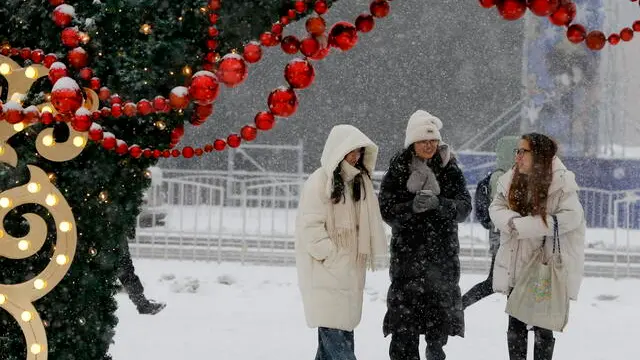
[17, 299]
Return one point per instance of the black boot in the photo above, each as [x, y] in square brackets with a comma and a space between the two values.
[543, 348]
[517, 339]
[150, 307]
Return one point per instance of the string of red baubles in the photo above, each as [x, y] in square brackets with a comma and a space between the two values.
[282, 101]
[561, 13]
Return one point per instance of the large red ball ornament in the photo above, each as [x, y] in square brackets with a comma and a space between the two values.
[595, 40]
[264, 120]
[379, 8]
[204, 87]
[63, 15]
[512, 9]
[343, 35]
[309, 46]
[290, 44]
[543, 7]
[364, 23]
[576, 33]
[283, 102]
[248, 133]
[57, 71]
[564, 15]
[179, 97]
[78, 58]
[232, 70]
[70, 37]
[252, 52]
[299, 73]
[66, 96]
[316, 26]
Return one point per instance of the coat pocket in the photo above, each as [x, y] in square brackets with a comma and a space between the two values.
[335, 272]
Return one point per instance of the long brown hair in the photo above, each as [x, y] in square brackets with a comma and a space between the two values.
[528, 193]
[337, 192]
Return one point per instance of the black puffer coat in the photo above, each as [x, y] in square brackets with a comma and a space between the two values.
[424, 296]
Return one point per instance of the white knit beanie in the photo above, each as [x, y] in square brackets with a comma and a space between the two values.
[422, 126]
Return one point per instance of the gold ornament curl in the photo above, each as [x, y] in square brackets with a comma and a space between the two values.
[17, 299]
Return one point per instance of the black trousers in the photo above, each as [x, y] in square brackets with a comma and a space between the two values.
[481, 290]
[127, 275]
[517, 339]
[405, 346]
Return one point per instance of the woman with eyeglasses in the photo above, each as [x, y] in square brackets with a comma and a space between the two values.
[538, 188]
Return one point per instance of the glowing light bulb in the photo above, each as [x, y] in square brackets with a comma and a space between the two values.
[47, 140]
[51, 200]
[33, 187]
[64, 226]
[26, 316]
[23, 245]
[5, 69]
[62, 259]
[1, 150]
[3, 298]
[5, 202]
[39, 284]
[18, 126]
[36, 349]
[47, 108]
[78, 141]
[31, 72]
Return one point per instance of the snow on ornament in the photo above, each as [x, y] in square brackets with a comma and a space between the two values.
[232, 70]
[57, 70]
[63, 15]
[179, 97]
[12, 112]
[204, 87]
[252, 52]
[70, 37]
[81, 121]
[108, 141]
[31, 114]
[78, 58]
[95, 132]
[66, 96]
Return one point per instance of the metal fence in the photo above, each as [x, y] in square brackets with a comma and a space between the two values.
[250, 218]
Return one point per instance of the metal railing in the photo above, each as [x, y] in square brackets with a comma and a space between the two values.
[250, 218]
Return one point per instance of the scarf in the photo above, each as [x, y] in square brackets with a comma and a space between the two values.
[357, 226]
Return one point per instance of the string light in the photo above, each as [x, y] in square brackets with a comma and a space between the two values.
[145, 29]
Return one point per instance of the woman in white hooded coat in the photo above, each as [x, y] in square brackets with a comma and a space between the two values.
[339, 232]
[538, 188]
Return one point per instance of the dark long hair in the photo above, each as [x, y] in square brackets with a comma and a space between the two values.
[337, 192]
[528, 193]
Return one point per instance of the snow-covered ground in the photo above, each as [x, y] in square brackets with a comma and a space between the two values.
[234, 312]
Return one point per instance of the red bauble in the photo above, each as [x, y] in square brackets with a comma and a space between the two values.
[156, 153]
[56, 2]
[57, 71]
[109, 142]
[543, 7]
[596, 40]
[116, 110]
[135, 151]
[104, 94]
[213, 18]
[95, 132]
[300, 6]
[177, 133]
[130, 109]
[487, 4]
[277, 29]
[635, 26]
[46, 118]
[248, 133]
[204, 88]
[81, 121]
[166, 153]
[78, 58]
[115, 99]
[564, 15]
[232, 70]
[144, 107]
[105, 112]
[25, 53]
[31, 114]
[309, 46]
[187, 152]
[179, 97]
[214, 5]
[160, 104]
[219, 144]
[66, 96]
[379, 8]
[202, 112]
[324, 48]
[283, 102]
[316, 26]
[63, 15]
[511, 9]
[86, 73]
[626, 34]
[70, 37]
[208, 148]
[290, 44]
[252, 52]
[320, 7]
[37, 56]
[212, 31]
[269, 39]
[264, 120]
[94, 83]
[576, 33]
[364, 23]
[13, 112]
[234, 140]
[299, 73]
[121, 147]
[199, 152]
[614, 39]
[49, 59]
[343, 35]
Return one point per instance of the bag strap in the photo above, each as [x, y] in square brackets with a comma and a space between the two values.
[556, 236]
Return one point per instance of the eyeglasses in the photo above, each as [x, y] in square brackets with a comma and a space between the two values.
[521, 151]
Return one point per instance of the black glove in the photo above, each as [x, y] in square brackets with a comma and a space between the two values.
[424, 201]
